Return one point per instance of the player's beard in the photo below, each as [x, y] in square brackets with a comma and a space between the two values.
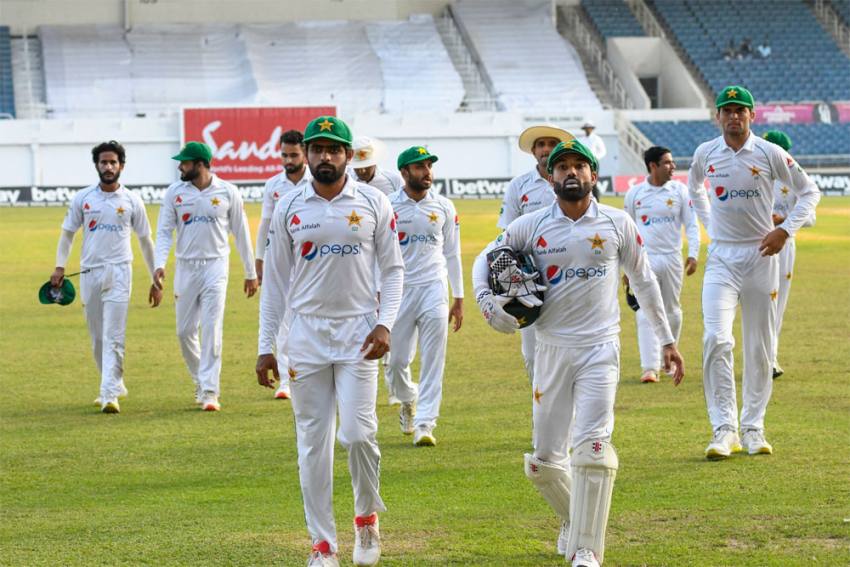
[292, 168]
[190, 175]
[571, 189]
[419, 185]
[327, 173]
[109, 177]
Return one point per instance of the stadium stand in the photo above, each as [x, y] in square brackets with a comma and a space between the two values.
[704, 29]
[7, 92]
[809, 139]
[612, 18]
[520, 46]
[86, 69]
[842, 8]
[188, 63]
[417, 71]
[316, 63]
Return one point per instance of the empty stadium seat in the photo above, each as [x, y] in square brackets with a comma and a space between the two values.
[612, 18]
[7, 92]
[531, 66]
[809, 139]
[805, 63]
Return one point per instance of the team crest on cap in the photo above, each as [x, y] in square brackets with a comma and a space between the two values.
[363, 154]
[325, 125]
[732, 93]
[309, 250]
[422, 151]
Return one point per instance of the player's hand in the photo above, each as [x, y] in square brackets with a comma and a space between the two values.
[251, 287]
[258, 265]
[690, 266]
[266, 362]
[155, 295]
[456, 314]
[493, 309]
[773, 242]
[57, 276]
[778, 219]
[377, 343]
[674, 363]
[159, 277]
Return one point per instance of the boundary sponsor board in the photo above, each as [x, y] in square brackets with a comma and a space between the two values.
[483, 188]
[245, 141]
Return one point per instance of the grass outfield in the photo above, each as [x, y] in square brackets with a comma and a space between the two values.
[165, 484]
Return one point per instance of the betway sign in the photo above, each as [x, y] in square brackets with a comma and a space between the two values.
[245, 141]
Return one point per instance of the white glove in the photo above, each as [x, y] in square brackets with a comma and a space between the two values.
[520, 285]
[493, 309]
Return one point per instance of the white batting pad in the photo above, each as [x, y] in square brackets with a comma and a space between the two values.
[594, 465]
[552, 482]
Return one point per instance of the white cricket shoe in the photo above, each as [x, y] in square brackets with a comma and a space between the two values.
[393, 401]
[405, 417]
[321, 556]
[563, 538]
[210, 402]
[110, 406]
[723, 444]
[754, 442]
[367, 540]
[424, 436]
[199, 394]
[121, 395]
[585, 558]
[282, 392]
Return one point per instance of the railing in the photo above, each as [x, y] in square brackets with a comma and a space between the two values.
[646, 18]
[586, 42]
[833, 24]
[631, 136]
[461, 31]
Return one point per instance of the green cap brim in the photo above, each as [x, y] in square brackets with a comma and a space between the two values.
[430, 157]
[738, 102]
[328, 136]
[63, 295]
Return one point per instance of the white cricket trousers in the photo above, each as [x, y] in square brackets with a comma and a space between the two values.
[529, 346]
[668, 269]
[573, 394]
[105, 293]
[200, 288]
[738, 273]
[327, 373]
[786, 270]
[424, 311]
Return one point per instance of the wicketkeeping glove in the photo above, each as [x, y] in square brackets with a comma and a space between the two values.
[520, 285]
[493, 309]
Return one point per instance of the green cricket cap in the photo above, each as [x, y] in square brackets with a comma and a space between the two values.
[63, 295]
[571, 147]
[194, 151]
[329, 127]
[414, 154]
[734, 94]
[779, 138]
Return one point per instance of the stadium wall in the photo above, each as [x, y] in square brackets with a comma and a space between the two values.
[23, 16]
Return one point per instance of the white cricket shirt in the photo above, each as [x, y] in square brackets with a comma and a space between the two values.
[526, 193]
[385, 181]
[595, 144]
[330, 249]
[581, 261]
[202, 219]
[740, 205]
[429, 235]
[106, 219]
[784, 201]
[660, 213]
[279, 185]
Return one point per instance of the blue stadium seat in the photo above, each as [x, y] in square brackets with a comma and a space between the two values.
[7, 93]
[612, 18]
[704, 29]
[809, 139]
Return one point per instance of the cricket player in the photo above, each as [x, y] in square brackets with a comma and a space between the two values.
[429, 235]
[107, 212]
[527, 193]
[202, 209]
[660, 207]
[783, 203]
[742, 266]
[365, 167]
[325, 240]
[294, 176]
[592, 140]
[579, 246]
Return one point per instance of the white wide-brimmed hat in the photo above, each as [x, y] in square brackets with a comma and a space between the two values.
[588, 124]
[529, 135]
[366, 152]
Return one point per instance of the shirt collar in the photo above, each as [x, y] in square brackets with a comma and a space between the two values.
[591, 212]
[403, 196]
[348, 190]
[749, 145]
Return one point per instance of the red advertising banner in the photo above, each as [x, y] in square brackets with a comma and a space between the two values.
[785, 114]
[245, 140]
[623, 183]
